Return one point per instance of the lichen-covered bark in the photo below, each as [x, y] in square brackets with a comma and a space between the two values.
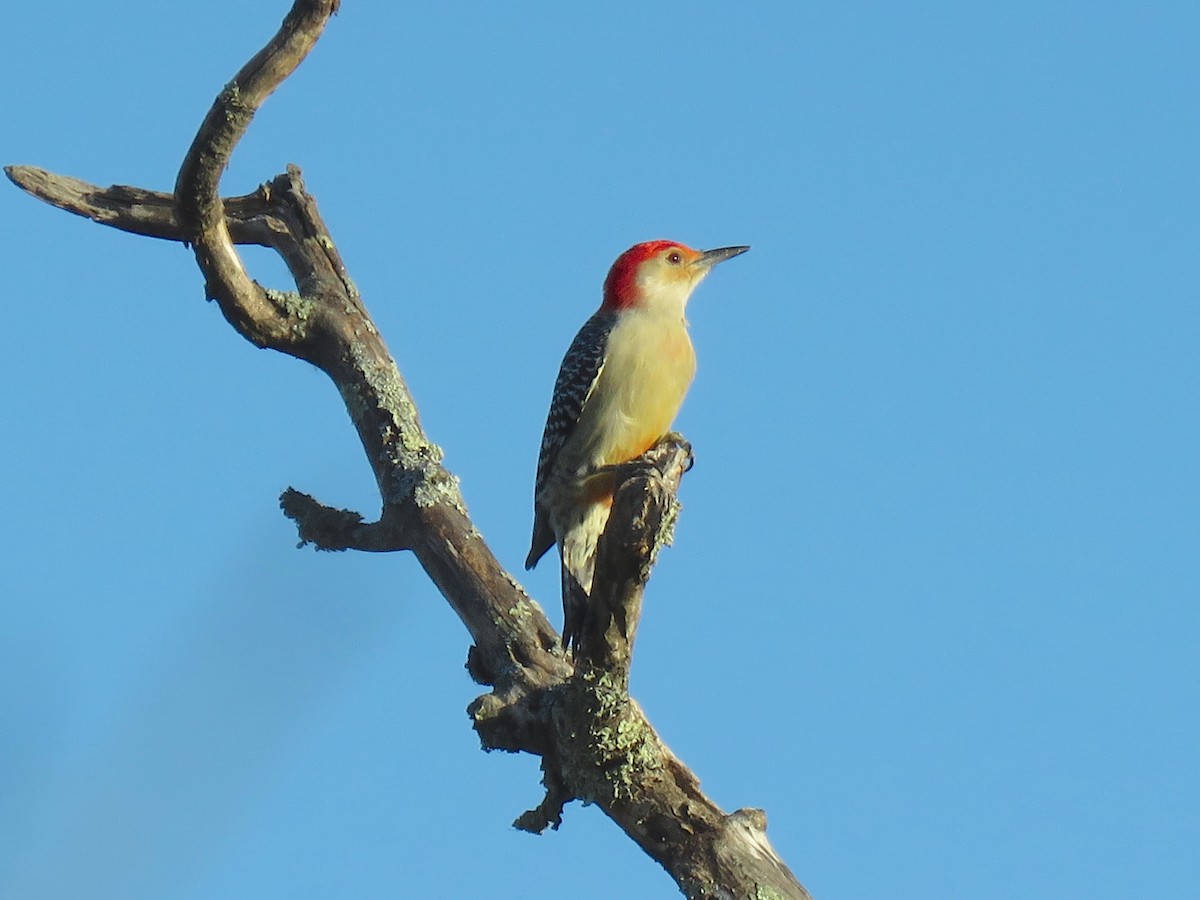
[576, 714]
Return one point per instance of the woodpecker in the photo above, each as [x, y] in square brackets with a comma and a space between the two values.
[617, 393]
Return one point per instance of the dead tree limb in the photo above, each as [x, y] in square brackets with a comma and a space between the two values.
[595, 743]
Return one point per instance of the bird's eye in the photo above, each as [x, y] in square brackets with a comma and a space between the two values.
[674, 257]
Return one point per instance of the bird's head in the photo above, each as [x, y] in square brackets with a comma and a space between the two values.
[659, 276]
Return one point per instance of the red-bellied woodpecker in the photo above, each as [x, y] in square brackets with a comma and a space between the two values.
[621, 384]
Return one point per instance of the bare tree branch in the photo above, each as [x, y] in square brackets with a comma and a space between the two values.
[132, 209]
[595, 743]
[198, 206]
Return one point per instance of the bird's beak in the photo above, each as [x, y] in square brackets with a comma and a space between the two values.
[709, 258]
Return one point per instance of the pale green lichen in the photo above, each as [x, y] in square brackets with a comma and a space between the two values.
[427, 485]
[385, 381]
[295, 306]
[415, 460]
[236, 111]
[666, 531]
[620, 737]
[438, 486]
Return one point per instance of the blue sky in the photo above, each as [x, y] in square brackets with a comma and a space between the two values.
[933, 601]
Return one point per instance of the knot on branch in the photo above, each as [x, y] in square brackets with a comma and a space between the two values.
[516, 719]
[598, 747]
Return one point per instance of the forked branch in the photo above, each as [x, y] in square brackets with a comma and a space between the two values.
[595, 743]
